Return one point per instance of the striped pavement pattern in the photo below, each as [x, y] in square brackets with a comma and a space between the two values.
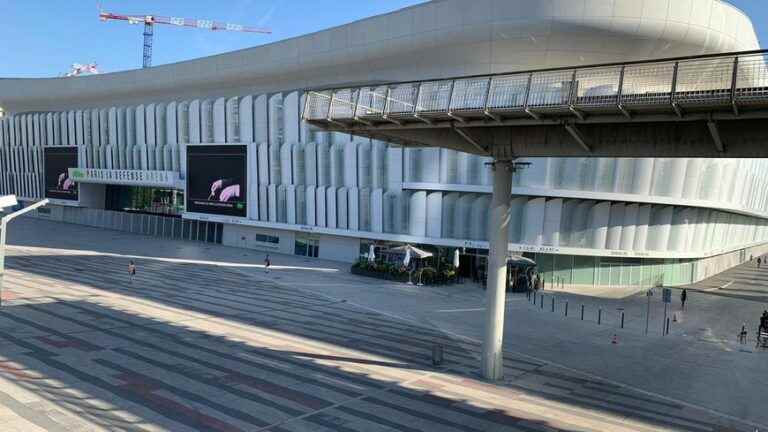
[190, 347]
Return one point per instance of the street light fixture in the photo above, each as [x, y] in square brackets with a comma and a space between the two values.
[3, 230]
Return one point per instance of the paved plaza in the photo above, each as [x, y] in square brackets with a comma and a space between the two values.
[204, 340]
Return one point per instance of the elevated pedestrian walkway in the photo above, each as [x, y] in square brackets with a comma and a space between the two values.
[698, 106]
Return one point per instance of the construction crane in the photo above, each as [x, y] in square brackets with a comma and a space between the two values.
[149, 22]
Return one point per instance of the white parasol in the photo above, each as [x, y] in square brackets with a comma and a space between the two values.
[419, 253]
[456, 258]
[371, 254]
[520, 260]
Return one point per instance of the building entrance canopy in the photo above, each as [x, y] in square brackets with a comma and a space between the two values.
[702, 106]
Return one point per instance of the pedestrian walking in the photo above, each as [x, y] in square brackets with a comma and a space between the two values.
[683, 297]
[759, 261]
[131, 270]
[743, 334]
[267, 263]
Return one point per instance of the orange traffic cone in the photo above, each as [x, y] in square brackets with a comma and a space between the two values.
[615, 340]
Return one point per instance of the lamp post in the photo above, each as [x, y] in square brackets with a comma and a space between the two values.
[3, 230]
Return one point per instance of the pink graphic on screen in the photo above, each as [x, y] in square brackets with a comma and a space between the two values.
[65, 183]
[224, 190]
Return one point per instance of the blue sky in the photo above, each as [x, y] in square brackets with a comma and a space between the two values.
[758, 11]
[42, 38]
[49, 35]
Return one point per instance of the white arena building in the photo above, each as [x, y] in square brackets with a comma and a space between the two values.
[136, 142]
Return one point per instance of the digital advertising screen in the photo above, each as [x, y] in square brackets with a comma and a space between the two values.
[58, 161]
[217, 176]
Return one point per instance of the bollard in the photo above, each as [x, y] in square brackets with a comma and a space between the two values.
[582, 312]
[622, 319]
[599, 316]
[553, 304]
[534, 299]
[437, 354]
[541, 303]
[566, 308]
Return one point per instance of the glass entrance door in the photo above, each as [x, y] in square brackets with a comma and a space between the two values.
[307, 246]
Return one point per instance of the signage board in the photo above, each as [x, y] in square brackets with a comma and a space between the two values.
[169, 179]
[58, 183]
[217, 179]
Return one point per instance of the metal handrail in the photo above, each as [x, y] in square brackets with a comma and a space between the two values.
[616, 85]
[558, 68]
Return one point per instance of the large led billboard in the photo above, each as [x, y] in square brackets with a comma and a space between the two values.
[217, 176]
[58, 184]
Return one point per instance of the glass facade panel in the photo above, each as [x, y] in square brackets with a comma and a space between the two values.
[604, 275]
[144, 200]
[626, 274]
[545, 264]
[635, 275]
[265, 238]
[584, 270]
[616, 270]
[563, 269]
[308, 247]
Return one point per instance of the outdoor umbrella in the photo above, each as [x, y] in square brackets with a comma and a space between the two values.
[456, 258]
[520, 260]
[371, 254]
[419, 253]
[407, 259]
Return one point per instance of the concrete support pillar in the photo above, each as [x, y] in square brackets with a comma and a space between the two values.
[498, 233]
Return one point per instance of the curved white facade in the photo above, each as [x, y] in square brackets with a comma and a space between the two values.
[332, 184]
[436, 39]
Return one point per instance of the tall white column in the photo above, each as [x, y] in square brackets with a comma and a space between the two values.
[498, 233]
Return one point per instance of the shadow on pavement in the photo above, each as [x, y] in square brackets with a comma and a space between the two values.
[354, 370]
[124, 371]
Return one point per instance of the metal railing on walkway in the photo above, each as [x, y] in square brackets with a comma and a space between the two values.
[723, 82]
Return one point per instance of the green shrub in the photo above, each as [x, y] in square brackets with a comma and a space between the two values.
[363, 264]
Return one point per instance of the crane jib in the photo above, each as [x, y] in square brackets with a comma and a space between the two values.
[150, 20]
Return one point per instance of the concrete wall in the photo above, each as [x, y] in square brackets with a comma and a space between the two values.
[708, 267]
[245, 237]
[334, 248]
[344, 249]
